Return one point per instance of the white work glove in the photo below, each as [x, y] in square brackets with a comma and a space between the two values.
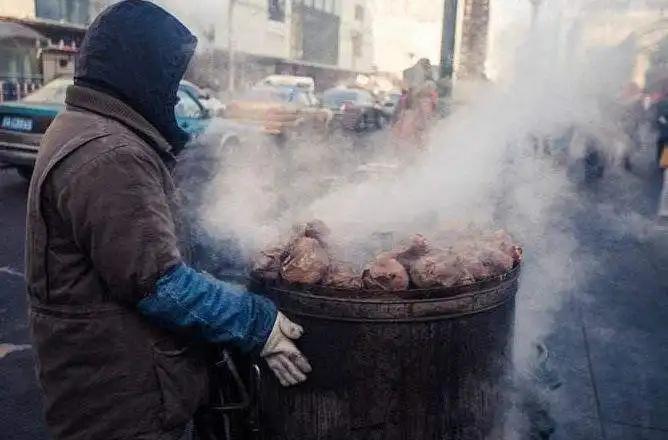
[283, 357]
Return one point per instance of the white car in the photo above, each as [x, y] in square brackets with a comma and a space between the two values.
[210, 102]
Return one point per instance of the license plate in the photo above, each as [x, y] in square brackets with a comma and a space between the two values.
[15, 123]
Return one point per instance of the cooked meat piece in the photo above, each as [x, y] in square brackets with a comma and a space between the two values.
[504, 242]
[467, 255]
[342, 276]
[410, 250]
[266, 265]
[469, 258]
[466, 278]
[502, 237]
[385, 273]
[465, 247]
[306, 263]
[446, 268]
[475, 267]
[496, 260]
[438, 269]
[298, 230]
[317, 229]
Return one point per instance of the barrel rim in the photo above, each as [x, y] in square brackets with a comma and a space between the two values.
[410, 308]
[376, 296]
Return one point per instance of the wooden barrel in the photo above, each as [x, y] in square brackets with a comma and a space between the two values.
[415, 365]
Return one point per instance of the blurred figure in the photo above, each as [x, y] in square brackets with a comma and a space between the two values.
[417, 109]
[662, 152]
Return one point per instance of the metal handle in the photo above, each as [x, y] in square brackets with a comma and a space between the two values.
[247, 410]
[254, 425]
[241, 387]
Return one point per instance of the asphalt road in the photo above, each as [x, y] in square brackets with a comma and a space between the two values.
[610, 340]
[609, 344]
[20, 401]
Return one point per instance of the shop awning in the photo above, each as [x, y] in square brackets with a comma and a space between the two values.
[10, 30]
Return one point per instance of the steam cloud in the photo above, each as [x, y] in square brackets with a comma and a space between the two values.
[485, 164]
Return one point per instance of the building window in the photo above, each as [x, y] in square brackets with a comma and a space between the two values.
[320, 36]
[359, 13]
[335, 7]
[329, 6]
[70, 11]
[276, 9]
[357, 44]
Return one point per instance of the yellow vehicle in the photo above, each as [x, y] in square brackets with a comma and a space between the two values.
[279, 109]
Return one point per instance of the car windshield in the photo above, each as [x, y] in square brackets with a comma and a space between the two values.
[272, 94]
[193, 89]
[336, 98]
[53, 92]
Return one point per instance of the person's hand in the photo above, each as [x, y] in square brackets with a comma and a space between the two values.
[283, 357]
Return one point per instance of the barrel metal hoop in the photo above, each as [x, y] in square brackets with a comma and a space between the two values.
[393, 310]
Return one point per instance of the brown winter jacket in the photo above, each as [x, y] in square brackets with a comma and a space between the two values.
[101, 230]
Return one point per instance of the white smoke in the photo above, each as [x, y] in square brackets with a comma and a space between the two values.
[501, 159]
[482, 156]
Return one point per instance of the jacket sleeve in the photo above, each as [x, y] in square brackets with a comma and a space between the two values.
[220, 312]
[120, 218]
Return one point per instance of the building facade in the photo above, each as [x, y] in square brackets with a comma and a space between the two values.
[38, 41]
[17, 8]
[316, 32]
[303, 37]
[356, 42]
[335, 33]
[67, 11]
[325, 38]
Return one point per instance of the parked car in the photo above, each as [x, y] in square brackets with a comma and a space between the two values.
[355, 109]
[390, 105]
[23, 123]
[304, 83]
[279, 109]
[205, 97]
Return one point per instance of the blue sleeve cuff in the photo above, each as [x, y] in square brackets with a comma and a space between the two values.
[219, 311]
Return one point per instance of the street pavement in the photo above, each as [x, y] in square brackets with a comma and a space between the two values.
[20, 402]
[609, 346]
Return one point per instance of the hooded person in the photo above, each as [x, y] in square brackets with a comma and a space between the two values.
[120, 322]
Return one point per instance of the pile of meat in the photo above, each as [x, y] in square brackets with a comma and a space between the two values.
[452, 259]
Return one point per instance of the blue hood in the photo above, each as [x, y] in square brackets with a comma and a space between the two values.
[138, 53]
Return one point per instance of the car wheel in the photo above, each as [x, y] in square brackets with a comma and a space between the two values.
[362, 123]
[660, 145]
[25, 172]
[380, 121]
